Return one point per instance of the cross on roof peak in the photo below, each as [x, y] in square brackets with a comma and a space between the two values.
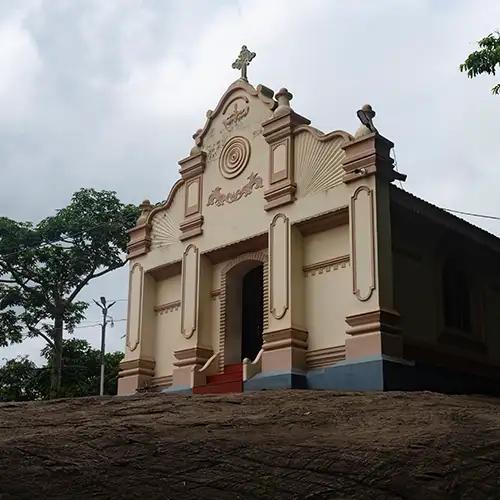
[243, 61]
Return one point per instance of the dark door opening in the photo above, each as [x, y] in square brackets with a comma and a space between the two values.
[252, 313]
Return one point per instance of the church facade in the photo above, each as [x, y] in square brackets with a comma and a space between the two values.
[285, 257]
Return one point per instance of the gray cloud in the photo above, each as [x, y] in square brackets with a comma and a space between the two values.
[108, 94]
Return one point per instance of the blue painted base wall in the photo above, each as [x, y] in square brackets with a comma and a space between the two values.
[379, 374]
[276, 380]
[362, 376]
[372, 374]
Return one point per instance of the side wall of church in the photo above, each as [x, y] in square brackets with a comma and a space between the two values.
[420, 250]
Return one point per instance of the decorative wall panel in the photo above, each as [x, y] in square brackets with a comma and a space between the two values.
[363, 243]
[279, 255]
[193, 196]
[189, 295]
[279, 162]
[136, 282]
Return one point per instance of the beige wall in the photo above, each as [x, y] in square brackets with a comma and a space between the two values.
[327, 288]
[326, 245]
[167, 324]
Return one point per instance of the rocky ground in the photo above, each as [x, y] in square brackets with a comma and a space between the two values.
[269, 445]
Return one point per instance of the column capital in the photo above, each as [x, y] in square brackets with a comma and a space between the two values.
[369, 155]
[193, 165]
[278, 132]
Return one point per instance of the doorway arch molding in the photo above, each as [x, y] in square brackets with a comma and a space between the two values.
[261, 258]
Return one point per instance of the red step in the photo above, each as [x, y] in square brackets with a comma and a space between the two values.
[224, 377]
[219, 388]
[229, 381]
[234, 368]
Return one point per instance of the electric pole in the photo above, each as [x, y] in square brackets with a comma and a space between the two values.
[105, 307]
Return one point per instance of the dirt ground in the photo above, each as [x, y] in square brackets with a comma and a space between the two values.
[269, 445]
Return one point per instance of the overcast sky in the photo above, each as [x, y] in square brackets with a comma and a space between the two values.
[107, 94]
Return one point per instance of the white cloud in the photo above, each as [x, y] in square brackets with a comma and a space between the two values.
[20, 65]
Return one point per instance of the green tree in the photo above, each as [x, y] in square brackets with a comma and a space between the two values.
[44, 267]
[20, 380]
[81, 369]
[484, 60]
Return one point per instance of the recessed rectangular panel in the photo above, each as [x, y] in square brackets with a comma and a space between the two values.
[279, 156]
[363, 243]
[193, 196]
[135, 306]
[189, 301]
[279, 264]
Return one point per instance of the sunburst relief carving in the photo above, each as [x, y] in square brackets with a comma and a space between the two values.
[164, 230]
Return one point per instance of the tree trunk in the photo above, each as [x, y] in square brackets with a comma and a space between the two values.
[56, 372]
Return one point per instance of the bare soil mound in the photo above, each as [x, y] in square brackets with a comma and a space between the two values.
[267, 445]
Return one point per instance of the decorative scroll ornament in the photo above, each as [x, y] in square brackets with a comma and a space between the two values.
[218, 198]
[234, 157]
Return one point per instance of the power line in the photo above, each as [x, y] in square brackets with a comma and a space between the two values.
[493, 217]
[99, 324]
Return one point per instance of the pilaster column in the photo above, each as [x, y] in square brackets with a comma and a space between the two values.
[278, 132]
[285, 340]
[373, 323]
[194, 347]
[138, 365]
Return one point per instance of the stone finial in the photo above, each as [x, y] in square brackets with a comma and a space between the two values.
[283, 97]
[196, 149]
[145, 208]
[366, 115]
[243, 61]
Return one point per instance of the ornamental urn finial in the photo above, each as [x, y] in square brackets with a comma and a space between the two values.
[196, 148]
[145, 208]
[283, 97]
[366, 115]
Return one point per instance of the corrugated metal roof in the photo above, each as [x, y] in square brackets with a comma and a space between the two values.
[422, 206]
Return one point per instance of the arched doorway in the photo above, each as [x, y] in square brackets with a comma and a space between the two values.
[252, 312]
[244, 311]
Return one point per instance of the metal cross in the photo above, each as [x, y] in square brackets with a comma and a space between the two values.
[243, 61]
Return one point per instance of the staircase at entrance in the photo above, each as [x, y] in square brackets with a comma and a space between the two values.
[229, 381]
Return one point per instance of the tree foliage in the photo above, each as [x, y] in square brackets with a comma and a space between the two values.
[22, 380]
[44, 267]
[484, 60]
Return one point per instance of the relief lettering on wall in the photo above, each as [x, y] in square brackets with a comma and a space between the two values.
[217, 198]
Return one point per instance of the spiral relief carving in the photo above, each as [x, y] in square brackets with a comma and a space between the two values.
[234, 157]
